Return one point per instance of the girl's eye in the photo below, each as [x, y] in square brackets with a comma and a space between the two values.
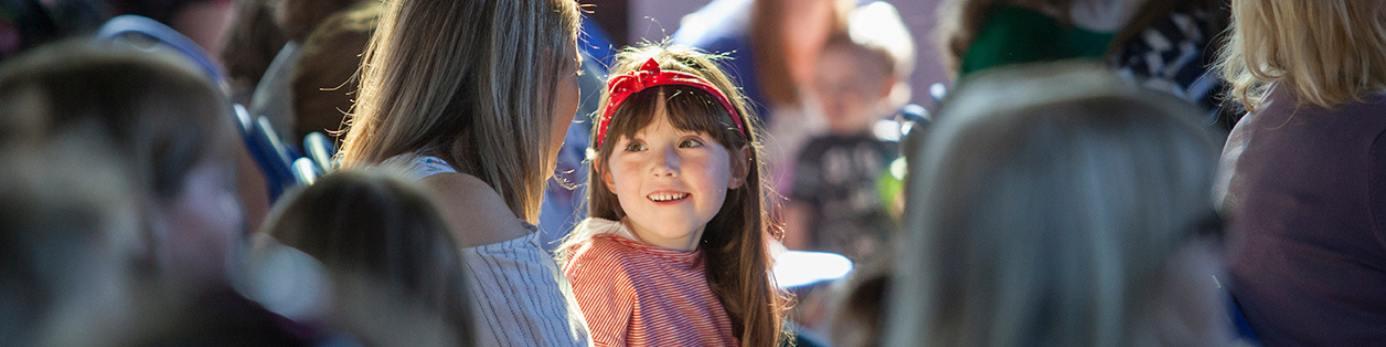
[635, 147]
[691, 143]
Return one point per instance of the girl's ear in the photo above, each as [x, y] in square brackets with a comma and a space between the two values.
[606, 176]
[740, 167]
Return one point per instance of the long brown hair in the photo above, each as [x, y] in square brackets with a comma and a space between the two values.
[474, 80]
[734, 246]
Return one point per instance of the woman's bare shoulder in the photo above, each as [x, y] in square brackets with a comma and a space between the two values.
[477, 214]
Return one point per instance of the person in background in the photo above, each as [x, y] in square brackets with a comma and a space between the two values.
[68, 241]
[1074, 216]
[981, 34]
[1171, 46]
[297, 19]
[165, 121]
[474, 99]
[786, 33]
[674, 249]
[373, 225]
[28, 24]
[859, 80]
[773, 46]
[205, 22]
[1303, 171]
[166, 126]
[324, 77]
[250, 48]
[276, 96]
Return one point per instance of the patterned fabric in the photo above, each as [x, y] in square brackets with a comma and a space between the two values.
[836, 178]
[518, 296]
[635, 294]
[1173, 55]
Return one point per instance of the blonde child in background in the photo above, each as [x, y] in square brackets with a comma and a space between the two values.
[860, 79]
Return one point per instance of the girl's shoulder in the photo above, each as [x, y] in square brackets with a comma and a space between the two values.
[597, 240]
[600, 261]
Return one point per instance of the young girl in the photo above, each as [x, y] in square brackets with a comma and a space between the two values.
[674, 251]
[159, 117]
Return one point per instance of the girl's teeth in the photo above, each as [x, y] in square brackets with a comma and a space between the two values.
[667, 197]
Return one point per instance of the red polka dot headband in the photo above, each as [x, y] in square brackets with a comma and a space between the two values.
[648, 76]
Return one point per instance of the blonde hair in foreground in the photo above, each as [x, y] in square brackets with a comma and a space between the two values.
[1327, 52]
[1048, 216]
[473, 80]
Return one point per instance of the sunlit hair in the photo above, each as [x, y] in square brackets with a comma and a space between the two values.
[876, 34]
[960, 20]
[734, 246]
[1325, 52]
[475, 80]
[1047, 216]
[877, 27]
[382, 227]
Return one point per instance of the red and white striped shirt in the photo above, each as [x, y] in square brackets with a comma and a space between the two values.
[636, 294]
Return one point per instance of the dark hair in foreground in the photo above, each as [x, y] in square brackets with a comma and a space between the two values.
[384, 228]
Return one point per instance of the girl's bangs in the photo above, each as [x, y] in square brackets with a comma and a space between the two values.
[689, 109]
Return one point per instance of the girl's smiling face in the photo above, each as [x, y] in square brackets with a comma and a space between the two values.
[670, 182]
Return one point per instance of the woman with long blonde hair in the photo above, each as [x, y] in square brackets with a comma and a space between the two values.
[1304, 172]
[474, 97]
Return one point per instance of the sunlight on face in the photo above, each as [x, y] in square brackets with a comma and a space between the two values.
[670, 182]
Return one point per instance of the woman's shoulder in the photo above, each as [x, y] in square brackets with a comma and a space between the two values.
[477, 214]
[419, 166]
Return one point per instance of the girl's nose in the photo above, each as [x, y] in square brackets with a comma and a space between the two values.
[667, 165]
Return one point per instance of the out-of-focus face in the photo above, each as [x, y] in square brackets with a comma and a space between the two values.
[566, 100]
[202, 222]
[807, 25]
[669, 182]
[849, 93]
[207, 23]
